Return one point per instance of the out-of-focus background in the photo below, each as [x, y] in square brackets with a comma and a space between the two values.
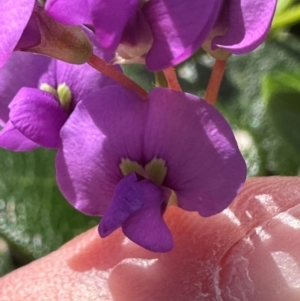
[259, 96]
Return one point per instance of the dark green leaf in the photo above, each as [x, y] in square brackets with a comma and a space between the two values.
[34, 217]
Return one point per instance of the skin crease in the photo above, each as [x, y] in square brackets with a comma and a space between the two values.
[248, 252]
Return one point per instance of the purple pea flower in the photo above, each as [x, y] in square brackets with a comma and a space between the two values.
[242, 25]
[124, 158]
[164, 33]
[42, 99]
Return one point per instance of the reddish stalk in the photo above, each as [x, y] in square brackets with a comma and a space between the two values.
[171, 78]
[214, 83]
[108, 70]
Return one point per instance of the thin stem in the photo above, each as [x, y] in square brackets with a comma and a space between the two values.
[214, 83]
[171, 78]
[108, 70]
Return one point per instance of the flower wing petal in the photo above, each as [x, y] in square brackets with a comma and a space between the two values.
[146, 226]
[248, 24]
[204, 165]
[38, 116]
[11, 79]
[12, 139]
[179, 28]
[128, 198]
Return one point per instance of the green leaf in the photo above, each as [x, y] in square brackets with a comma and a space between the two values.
[248, 107]
[282, 93]
[6, 264]
[35, 219]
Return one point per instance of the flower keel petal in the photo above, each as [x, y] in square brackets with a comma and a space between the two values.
[12, 139]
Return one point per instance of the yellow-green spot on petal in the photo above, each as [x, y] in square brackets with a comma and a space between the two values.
[64, 96]
[48, 88]
[127, 166]
[156, 170]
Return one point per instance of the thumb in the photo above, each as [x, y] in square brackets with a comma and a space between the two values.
[248, 252]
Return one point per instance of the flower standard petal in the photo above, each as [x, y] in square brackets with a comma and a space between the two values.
[79, 171]
[120, 114]
[179, 28]
[14, 18]
[109, 29]
[38, 116]
[11, 79]
[76, 12]
[88, 161]
[248, 24]
[204, 165]
[12, 139]
[80, 79]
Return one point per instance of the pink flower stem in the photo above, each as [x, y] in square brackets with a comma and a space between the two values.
[108, 70]
[214, 83]
[171, 77]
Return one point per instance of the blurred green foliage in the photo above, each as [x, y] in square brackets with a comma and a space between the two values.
[282, 93]
[245, 106]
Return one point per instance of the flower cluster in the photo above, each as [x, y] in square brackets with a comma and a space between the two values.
[161, 33]
[166, 32]
[120, 156]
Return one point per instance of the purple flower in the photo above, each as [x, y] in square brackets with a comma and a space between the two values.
[42, 99]
[17, 29]
[124, 158]
[166, 32]
[241, 27]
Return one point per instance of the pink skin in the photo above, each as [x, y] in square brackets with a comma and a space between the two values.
[250, 252]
